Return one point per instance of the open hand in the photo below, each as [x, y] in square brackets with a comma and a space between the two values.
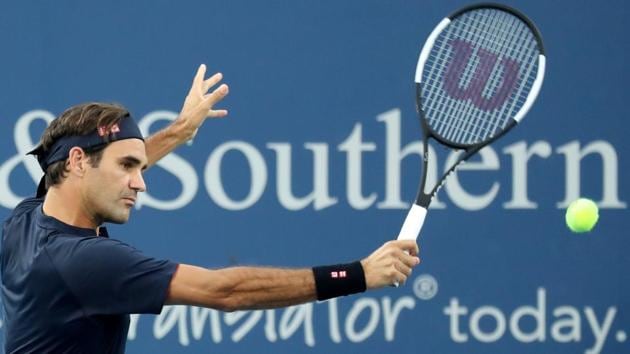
[199, 103]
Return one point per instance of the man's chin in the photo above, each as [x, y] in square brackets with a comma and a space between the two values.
[118, 219]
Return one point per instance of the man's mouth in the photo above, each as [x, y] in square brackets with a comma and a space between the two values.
[131, 200]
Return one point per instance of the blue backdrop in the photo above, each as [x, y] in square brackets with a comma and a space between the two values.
[318, 161]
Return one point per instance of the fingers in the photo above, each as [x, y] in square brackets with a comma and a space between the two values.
[408, 245]
[399, 278]
[219, 113]
[198, 103]
[391, 263]
[198, 80]
[213, 80]
[211, 99]
[217, 95]
[405, 259]
[403, 268]
[201, 86]
[201, 100]
[409, 260]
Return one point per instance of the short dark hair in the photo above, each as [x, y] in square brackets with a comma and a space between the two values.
[81, 119]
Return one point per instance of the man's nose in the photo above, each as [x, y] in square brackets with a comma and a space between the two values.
[137, 182]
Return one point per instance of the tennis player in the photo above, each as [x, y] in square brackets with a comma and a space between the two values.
[68, 287]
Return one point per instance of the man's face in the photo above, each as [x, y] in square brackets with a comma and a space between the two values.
[110, 190]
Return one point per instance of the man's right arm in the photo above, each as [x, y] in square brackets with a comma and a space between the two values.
[240, 288]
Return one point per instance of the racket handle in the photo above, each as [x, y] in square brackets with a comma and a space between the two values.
[412, 226]
[413, 223]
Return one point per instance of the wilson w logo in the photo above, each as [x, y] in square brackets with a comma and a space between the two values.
[483, 74]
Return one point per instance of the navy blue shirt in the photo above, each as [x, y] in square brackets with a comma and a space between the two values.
[67, 290]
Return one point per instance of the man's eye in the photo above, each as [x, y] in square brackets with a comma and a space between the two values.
[126, 165]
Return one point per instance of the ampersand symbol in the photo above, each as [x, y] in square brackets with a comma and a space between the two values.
[23, 144]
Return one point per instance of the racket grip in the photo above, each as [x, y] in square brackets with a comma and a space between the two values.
[413, 223]
[412, 226]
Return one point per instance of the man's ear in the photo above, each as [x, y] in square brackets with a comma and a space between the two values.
[77, 161]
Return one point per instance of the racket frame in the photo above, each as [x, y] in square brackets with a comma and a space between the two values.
[417, 213]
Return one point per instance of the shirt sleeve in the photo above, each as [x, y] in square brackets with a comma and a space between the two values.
[110, 277]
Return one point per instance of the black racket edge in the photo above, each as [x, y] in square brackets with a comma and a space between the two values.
[491, 5]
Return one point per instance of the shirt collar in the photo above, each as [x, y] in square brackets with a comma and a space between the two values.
[51, 223]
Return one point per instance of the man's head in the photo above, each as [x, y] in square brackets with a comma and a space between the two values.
[82, 119]
[96, 150]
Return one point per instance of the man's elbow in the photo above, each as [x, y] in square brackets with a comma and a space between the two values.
[201, 287]
[228, 305]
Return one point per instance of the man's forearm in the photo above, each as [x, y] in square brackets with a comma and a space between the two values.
[260, 288]
[241, 288]
[163, 142]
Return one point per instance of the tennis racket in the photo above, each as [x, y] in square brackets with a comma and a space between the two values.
[478, 74]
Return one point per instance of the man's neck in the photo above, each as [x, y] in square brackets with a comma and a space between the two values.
[65, 205]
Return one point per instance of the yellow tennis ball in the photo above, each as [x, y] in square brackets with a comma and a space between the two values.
[582, 215]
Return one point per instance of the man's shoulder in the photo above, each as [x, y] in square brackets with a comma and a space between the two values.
[73, 248]
[25, 206]
[22, 214]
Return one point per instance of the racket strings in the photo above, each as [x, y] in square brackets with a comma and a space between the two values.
[463, 125]
[507, 32]
[526, 50]
[506, 41]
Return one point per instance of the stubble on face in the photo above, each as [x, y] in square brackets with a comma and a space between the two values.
[112, 187]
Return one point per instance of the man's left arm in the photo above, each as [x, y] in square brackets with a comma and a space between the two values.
[198, 106]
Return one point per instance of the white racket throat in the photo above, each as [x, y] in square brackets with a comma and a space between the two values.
[413, 223]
